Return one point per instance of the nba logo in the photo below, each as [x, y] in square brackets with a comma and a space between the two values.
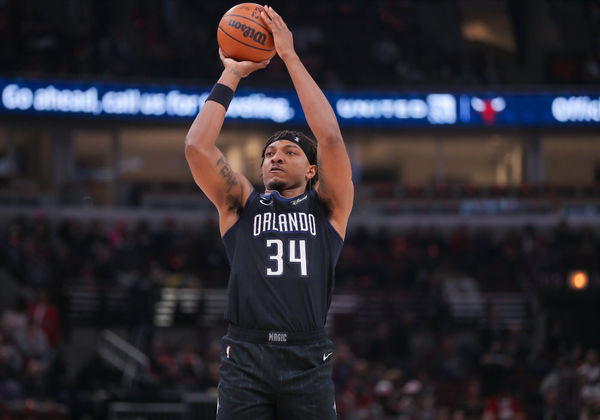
[227, 351]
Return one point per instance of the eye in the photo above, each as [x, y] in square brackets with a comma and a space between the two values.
[291, 153]
[269, 154]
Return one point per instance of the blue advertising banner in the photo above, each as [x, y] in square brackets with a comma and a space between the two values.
[532, 109]
[358, 109]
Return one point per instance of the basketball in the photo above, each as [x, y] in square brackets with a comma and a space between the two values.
[243, 35]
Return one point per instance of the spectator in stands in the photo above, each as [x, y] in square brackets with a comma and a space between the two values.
[44, 315]
[141, 298]
[10, 359]
[388, 392]
[447, 362]
[495, 364]
[589, 375]
[10, 369]
[34, 381]
[211, 379]
[589, 370]
[560, 391]
[33, 343]
[471, 403]
[190, 365]
[357, 398]
[503, 406]
[14, 319]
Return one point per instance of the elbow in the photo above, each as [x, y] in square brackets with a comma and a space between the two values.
[195, 152]
[191, 148]
[189, 142]
[195, 144]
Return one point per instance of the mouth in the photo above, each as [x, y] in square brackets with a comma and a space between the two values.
[276, 169]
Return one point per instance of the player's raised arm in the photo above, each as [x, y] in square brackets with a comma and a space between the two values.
[335, 174]
[228, 190]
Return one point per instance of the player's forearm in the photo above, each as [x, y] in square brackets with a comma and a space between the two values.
[206, 127]
[317, 110]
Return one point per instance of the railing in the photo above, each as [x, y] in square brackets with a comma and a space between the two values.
[348, 310]
[201, 406]
[193, 406]
[119, 353]
[148, 411]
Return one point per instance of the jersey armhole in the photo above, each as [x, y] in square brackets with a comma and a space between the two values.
[250, 197]
[328, 222]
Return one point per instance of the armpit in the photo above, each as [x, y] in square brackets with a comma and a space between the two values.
[326, 204]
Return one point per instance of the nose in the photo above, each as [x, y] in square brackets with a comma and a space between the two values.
[277, 156]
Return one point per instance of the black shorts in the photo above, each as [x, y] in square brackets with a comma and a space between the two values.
[275, 375]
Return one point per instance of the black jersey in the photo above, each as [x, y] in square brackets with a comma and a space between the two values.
[282, 253]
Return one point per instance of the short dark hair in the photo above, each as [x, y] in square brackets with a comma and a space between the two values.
[307, 144]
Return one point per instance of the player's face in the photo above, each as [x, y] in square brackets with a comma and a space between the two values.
[285, 166]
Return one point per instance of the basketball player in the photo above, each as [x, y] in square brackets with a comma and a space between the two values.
[282, 247]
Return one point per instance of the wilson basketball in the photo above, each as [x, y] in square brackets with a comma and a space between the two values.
[243, 35]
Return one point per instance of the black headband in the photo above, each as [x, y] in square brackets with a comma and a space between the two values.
[309, 150]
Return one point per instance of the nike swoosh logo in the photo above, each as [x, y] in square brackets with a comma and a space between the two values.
[266, 203]
[295, 202]
[326, 356]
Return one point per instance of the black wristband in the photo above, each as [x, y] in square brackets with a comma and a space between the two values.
[221, 94]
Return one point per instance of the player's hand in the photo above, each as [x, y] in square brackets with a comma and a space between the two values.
[282, 36]
[241, 68]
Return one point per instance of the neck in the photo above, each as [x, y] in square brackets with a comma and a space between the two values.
[288, 192]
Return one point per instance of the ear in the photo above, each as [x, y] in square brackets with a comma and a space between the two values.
[311, 172]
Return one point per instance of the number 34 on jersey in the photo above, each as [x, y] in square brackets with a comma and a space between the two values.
[292, 250]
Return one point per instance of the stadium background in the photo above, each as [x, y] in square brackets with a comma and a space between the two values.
[468, 284]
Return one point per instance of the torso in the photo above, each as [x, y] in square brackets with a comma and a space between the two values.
[282, 254]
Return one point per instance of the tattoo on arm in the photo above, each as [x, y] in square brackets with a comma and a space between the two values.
[227, 174]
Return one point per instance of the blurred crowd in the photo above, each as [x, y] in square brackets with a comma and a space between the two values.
[510, 260]
[48, 255]
[415, 366]
[344, 43]
[32, 376]
[404, 372]
[448, 378]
